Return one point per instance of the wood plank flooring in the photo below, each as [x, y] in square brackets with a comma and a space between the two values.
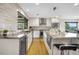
[37, 48]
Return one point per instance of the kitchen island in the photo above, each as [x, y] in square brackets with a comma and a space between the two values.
[13, 45]
[59, 40]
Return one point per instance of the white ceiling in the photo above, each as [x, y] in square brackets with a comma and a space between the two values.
[65, 10]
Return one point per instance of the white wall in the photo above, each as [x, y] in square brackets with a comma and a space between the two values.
[9, 46]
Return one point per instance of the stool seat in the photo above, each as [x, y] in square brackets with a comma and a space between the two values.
[58, 45]
[76, 45]
[67, 47]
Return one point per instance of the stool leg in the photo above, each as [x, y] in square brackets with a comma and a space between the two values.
[68, 52]
[62, 52]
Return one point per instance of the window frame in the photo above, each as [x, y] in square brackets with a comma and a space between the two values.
[72, 22]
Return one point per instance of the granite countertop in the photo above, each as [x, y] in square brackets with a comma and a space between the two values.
[60, 36]
[11, 35]
[65, 37]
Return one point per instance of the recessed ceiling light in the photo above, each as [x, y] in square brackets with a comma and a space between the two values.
[17, 10]
[76, 4]
[28, 10]
[37, 3]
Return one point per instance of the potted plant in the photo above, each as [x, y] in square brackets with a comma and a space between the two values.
[5, 33]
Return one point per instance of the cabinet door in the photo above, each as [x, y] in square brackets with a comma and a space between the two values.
[22, 22]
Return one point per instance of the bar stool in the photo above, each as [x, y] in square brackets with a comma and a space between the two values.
[57, 45]
[67, 47]
[77, 51]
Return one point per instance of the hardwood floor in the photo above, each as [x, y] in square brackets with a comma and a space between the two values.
[37, 48]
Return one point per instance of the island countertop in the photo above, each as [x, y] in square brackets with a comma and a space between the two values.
[61, 37]
[65, 37]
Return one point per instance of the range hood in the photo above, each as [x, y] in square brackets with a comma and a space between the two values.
[41, 27]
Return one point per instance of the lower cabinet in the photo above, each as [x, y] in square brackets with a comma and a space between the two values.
[22, 45]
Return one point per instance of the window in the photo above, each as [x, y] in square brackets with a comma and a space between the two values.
[42, 21]
[22, 22]
[71, 29]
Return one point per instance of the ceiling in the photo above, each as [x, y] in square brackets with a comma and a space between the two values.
[64, 10]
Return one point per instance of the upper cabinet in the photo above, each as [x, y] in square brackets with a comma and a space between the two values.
[55, 20]
[22, 22]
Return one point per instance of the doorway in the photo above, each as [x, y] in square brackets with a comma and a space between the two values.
[41, 33]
